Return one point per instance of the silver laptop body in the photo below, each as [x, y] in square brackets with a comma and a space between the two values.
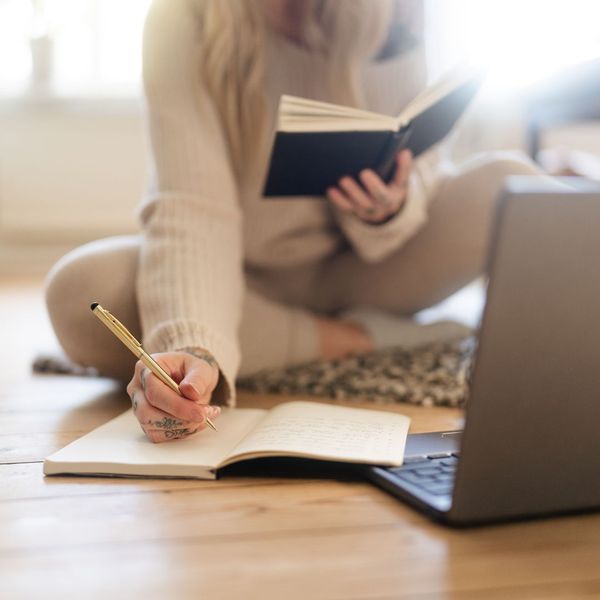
[531, 440]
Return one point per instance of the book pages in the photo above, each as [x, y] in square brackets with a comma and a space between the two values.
[120, 448]
[339, 433]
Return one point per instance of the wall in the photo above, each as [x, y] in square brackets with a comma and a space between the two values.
[70, 171]
[74, 170]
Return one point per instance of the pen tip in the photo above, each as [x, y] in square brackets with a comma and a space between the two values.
[93, 305]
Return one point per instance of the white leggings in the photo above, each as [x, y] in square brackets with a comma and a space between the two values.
[277, 326]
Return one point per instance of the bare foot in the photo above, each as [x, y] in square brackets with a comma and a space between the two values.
[342, 338]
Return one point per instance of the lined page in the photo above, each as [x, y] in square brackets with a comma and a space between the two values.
[331, 432]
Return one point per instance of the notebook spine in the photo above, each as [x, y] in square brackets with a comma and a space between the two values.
[387, 160]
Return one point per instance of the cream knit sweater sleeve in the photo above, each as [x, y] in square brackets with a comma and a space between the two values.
[374, 243]
[190, 280]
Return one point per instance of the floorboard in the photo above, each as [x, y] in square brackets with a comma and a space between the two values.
[251, 534]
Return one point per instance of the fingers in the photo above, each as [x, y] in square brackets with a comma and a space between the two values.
[340, 200]
[160, 426]
[162, 397]
[356, 194]
[403, 168]
[157, 425]
[157, 436]
[201, 376]
[162, 413]
[352, 198]
[374, 201]
[374, 184]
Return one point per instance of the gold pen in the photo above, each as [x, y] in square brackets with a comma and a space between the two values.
[132, 344]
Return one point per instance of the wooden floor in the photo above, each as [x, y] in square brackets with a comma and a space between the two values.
[242, 536]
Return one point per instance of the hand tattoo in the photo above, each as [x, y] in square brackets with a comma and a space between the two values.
[167, 423]
[201, 354]
[142, 378]
[175, 433]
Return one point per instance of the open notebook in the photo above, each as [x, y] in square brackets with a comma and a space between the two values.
[295, 429]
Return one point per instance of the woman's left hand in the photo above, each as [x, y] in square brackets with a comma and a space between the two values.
[375, 201]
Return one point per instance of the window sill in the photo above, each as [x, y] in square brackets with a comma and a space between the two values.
[101, 100]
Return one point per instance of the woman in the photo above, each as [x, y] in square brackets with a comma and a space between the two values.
[223, 281]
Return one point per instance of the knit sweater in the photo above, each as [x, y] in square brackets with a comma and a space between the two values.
[200, 228]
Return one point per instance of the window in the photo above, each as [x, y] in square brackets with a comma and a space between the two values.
[520, 41]
[71, 47]
[93, 47]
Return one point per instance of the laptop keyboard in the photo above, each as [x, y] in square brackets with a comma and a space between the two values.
[433, 473]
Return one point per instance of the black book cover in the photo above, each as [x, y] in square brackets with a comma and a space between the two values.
[435, 122]
[307, 163]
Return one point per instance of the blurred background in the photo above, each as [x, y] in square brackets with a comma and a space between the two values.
[72, 147]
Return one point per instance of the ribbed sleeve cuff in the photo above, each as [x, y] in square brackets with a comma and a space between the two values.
[172, 335]
[374, 242]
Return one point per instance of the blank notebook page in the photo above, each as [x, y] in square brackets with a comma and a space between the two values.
[122, 441]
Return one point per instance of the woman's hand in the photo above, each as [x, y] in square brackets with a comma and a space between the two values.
[162, 413]
[374, 202]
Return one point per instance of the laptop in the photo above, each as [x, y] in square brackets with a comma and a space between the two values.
[531, 440]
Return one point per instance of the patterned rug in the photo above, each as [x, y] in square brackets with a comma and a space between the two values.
[433, 375]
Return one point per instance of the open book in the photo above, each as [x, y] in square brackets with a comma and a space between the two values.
[317, 143]
[294, 429]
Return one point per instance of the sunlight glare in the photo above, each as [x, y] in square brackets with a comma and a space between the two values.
[519, 41]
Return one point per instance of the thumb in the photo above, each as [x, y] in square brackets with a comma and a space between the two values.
[196, 384]
[191, 392]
